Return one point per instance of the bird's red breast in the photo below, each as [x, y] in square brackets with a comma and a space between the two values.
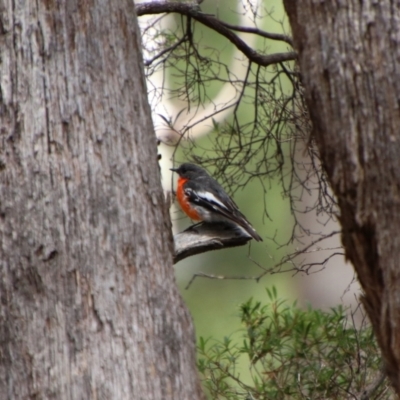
[184, 202]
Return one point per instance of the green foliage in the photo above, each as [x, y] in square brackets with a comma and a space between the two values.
[294, 354]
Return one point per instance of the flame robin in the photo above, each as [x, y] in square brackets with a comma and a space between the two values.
[202, 198]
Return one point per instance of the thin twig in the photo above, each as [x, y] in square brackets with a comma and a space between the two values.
[220, 277]
[259, 32]
[169, 49]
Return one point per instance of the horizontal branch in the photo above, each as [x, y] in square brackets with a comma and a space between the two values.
[205, 237]
[255, 31]
[224, 29]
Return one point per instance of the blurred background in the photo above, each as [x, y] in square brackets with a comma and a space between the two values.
[200, 121]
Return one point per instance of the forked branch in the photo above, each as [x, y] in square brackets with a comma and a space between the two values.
[192, 10]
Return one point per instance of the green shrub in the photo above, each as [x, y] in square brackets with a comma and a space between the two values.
[294, 354]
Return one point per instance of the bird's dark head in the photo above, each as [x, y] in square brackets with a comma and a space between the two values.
[189, 171]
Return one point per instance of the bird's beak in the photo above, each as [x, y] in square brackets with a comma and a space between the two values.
[173, 169]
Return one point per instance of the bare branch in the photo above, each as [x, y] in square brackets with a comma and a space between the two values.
[165, 51]
[206, 237]
[191, 10]
[259, 32]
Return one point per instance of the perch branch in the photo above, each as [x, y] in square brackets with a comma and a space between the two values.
[206, 237]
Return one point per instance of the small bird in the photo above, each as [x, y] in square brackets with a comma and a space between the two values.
[202, 198]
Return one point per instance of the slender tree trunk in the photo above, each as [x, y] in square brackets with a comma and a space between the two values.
[349, 53]
[89, 305]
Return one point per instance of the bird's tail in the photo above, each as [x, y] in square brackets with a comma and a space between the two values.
[241, 220]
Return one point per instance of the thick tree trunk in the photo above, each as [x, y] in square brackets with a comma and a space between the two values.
[349, 53]
[89, 306]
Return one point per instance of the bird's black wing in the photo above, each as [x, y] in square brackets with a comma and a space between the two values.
[219, 202]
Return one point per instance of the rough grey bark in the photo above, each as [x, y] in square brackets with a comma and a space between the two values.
[89, 305]
[349, 54]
